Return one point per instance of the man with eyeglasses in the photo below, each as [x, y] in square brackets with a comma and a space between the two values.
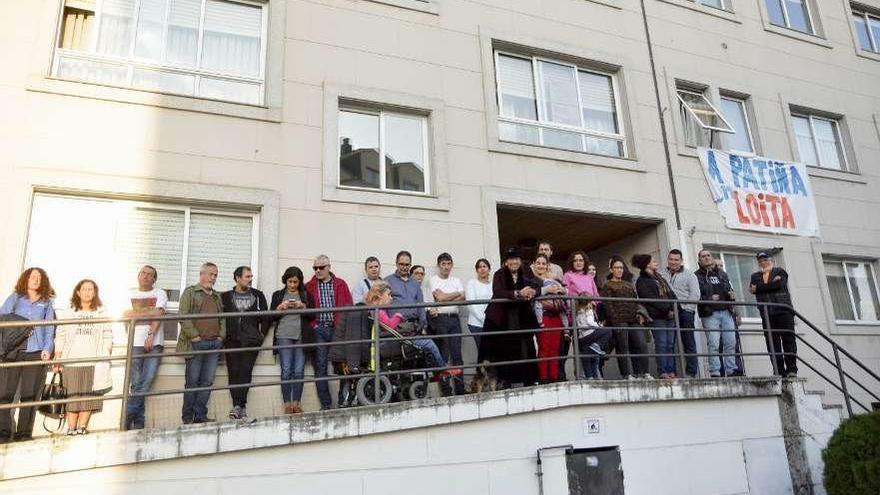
[326, 290]
[406, 289]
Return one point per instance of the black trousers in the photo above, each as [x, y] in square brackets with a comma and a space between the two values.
[631, 342]
[784, 341]
[240, 366]
[450, 347]
[31, 380]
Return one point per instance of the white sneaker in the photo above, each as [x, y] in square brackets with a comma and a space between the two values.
[235, 413]
[630, 377]
[648, 376]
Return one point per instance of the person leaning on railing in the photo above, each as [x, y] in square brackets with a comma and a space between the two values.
[87, 381]
[770, 285]
[717, 319]
[31, 299]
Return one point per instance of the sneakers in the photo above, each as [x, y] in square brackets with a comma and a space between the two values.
[596, 348]
[648, 376]
[630, 377]
[235, 412]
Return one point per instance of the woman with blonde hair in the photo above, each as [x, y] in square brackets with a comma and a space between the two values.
[89, 380]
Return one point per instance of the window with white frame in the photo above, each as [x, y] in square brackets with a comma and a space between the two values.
[868, 30]
[791, 14]
[701, 120]
[383, 149]
[740, 267]
[718, 4]
[108, 240]
[736, 113]
[818, 141]
[203, 48]
[558, 104]
[853, 288]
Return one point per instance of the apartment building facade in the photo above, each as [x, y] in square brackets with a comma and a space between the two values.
[265, 132]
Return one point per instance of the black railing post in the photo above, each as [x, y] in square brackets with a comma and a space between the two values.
[771, 347]
[126, 377]
[576, 346]
[377, 356]
[846, 398]
[680, 343]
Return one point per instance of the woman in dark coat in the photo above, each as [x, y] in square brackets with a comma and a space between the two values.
[511, 282]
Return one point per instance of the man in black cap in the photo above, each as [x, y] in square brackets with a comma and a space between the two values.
[770, 285]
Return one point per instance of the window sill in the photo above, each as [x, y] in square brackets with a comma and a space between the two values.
[869, 55]
[138, 97]
[630, 164]
[608, 3]
[384, 198]
[797, 35]
[427, 7]
[835, 175]
[698, 7]
[857, 328]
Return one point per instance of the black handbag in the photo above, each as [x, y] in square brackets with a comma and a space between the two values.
[53, 391]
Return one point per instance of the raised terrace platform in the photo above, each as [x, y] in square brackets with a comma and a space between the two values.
[766, 432]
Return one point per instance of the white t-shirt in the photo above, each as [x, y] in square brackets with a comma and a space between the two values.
[477, 290]
[447, 285]
[145, 300]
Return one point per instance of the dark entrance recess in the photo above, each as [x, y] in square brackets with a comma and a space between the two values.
[524, 226]
[596, 470]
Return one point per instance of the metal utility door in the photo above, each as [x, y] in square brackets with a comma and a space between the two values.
[594, 471]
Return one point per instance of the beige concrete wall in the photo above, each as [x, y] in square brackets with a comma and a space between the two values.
[70, 136]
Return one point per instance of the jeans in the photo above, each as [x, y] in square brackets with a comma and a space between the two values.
[240, 366]
[143, 371]
[686, 320]
[664, 343]
[428, 346]
[446, 324]
[323, 335]
[200, 371]
[721, 320]
[293, 364]
[784, 342]
[476, 335]
[589, 359]
[32, 379]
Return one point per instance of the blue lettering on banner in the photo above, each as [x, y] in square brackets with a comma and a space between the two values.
[714, 173]
[797, 183]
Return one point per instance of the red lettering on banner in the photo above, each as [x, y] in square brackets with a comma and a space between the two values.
[787, 215]
[765, 218]
[740, 215]
[754, 209]
[773, 201]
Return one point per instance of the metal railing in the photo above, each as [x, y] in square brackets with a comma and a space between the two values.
[844, 367]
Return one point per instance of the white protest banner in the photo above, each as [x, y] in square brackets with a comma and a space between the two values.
[761, 194]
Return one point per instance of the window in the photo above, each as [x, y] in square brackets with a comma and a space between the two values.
[734, 111]
[868, 30]
[792, 14]
[818, 141]
[739, 268]
[853, 288]
[109, 240]
[700, 119]
[204, 48]
[558, 105]
[400, 139]
[718, 4]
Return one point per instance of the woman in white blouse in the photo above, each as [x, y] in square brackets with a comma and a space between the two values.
[478, 289]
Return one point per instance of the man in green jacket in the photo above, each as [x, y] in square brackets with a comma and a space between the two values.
[200, 335]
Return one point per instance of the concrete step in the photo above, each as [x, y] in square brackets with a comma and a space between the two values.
[814, 392]
[832, 406]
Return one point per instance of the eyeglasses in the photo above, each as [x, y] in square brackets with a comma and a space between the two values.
[404, 264]
[317, 268]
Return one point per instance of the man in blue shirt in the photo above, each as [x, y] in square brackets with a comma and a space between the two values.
[405, 289]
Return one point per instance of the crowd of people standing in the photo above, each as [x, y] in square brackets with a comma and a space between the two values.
[524, 334]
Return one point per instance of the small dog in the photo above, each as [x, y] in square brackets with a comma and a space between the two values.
[484, 380]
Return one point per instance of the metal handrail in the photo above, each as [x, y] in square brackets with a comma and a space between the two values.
[376, 342]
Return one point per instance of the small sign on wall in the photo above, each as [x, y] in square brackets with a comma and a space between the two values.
[592, 426]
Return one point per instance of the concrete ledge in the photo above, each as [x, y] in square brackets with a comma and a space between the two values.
[113, 448]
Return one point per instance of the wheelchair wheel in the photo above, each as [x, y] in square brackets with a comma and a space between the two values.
[366, 390]
[417, 390]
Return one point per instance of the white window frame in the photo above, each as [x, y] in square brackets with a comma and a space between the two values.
[745, 109]
[875, 43]
[724, 5]
[131, 62]
[844, 166]
[843, 262]
[811, 24]
[380, 113]
[540, 124]
[693, 114]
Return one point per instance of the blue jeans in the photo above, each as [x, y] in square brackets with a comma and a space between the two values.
[143, 371]
[686, 320]
[432, 350]
[476, 335]
[723, 321]
[323, 335]
[590, 361]
[293, 362]
[664, 343]
[200, 371]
